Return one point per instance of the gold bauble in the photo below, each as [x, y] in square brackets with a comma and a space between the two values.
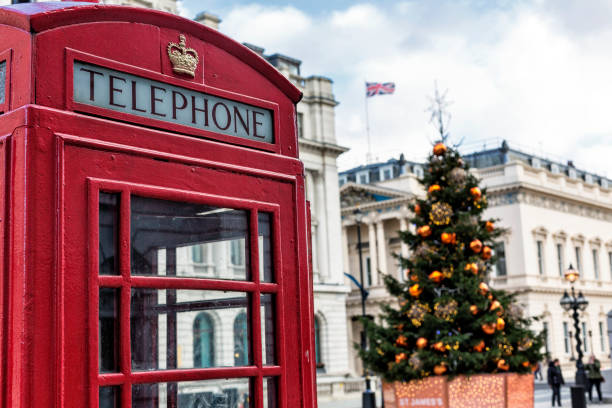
[441, 213]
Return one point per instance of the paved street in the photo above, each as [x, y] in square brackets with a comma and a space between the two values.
[542, 400]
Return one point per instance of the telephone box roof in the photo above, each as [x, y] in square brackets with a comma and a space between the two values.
[38, 17]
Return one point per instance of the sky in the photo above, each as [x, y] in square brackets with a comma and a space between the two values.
[537, 73]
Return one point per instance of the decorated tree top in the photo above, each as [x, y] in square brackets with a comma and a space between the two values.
[445, 319]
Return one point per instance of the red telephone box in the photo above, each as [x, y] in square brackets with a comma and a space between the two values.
[152, 214]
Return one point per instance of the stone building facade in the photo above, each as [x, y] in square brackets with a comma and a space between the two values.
[556, 215]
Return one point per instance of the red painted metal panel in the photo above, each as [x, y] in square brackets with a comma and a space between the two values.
[16, 50]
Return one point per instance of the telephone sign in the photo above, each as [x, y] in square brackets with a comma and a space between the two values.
[134, 95]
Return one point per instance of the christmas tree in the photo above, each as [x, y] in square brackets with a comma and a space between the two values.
[445, 319]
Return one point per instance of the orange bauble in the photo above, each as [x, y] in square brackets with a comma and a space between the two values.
[421, 342]
[525, 363]
[439, 369]
[401, 340]
[495, 305]
[486, 253]
[475, 192]
[417, 209]
[502, 365]
[436, 276]
[433, 188]
[439, 149]
[399, 357]
[414, 278]
[474, 310]
[472, 267]
[424, 231]
[480, 346]
[439, 346]
[483, 288]
[489, 226]
[476, 245]
[500, 324]
[488, 328]
[415, 290]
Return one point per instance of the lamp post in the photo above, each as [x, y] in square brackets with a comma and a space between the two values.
[576, 303]
[369, 397]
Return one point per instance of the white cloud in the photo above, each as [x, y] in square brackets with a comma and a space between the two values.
[534, 72]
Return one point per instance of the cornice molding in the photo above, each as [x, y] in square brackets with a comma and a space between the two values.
[325, 147]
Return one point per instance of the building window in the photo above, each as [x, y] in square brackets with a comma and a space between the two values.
[560, 260]
[578, 259]
[241, 340]
[566, 339]
[545, 329]
[585, 345]
[368, 271]
[602, 341]
[197, 254]
[386, 174]
[500, 264]
[363, 179]
[596, 263]
[540, 247]
[237, 252]
[300, 124]
[203, 341]
[318, 356]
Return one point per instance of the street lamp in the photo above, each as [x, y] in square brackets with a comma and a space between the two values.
[576, 303]
[368, 398]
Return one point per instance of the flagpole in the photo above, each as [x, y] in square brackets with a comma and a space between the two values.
[369, 154]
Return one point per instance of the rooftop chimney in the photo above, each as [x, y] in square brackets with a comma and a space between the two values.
[208, 19]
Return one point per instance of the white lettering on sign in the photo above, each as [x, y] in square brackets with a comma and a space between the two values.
[421, 402]
[2, 81]
[122, 92]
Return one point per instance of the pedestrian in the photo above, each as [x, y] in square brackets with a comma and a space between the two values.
[595, 378]
[538, 371]
[555, 380]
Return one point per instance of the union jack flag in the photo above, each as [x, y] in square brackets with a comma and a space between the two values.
[379, 88]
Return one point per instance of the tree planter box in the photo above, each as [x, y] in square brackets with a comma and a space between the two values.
[477, 391]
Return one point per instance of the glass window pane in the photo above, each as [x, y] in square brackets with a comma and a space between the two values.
[109, 397]
[109, 330]
[264, 226]
[270, 392]
[108, 234]
[268, 352]
[181, 328]
[188, 240]
[222, 393]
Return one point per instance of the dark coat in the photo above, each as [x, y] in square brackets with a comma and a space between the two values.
[554, 376]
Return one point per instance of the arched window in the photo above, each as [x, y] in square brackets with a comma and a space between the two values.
[318, 356]
[203, 341]
[241, 340]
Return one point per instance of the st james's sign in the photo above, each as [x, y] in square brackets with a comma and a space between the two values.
[118, 91]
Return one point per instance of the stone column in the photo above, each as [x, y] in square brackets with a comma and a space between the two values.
[372, 251]
[345, 249]
[382, 251]
[404, 227]
[321, 227]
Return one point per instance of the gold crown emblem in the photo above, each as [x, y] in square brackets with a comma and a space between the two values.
[184, 60]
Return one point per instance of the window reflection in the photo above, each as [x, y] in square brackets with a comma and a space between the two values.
[222, 393]
[188, 240]
[241, 340]
[177, 328]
